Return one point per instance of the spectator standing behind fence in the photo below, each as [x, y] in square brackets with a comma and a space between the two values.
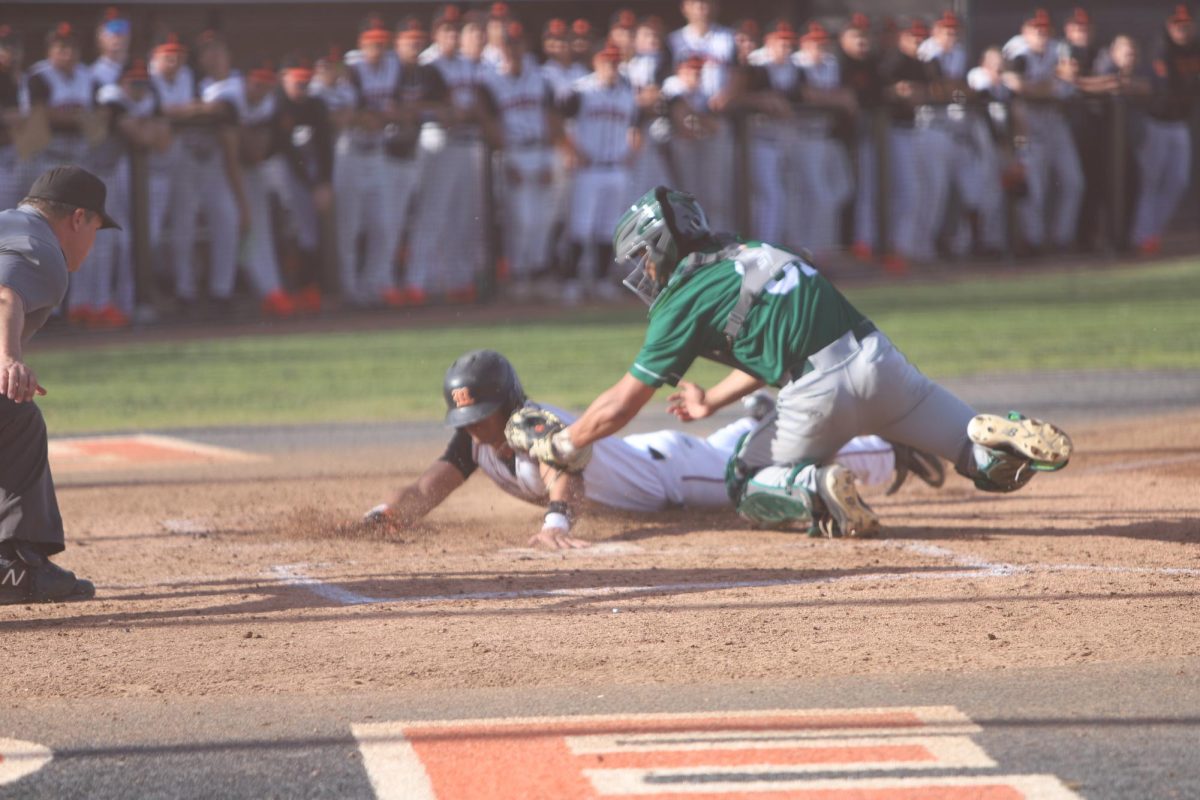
[300, 173]
[522, 102]
[861, 75]
[562, 71]
[11, 166]
[1165, 153]
[825, 174]
[1087, 117]
[602, 145]
[136, 124]
[1049, 212]
[646, 71]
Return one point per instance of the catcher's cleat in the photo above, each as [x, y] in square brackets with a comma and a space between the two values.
[1046, 446]
[852, 517]
[27, 576]
[910, 460]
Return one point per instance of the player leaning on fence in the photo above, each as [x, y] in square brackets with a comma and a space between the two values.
[45, 238]
[776, 320]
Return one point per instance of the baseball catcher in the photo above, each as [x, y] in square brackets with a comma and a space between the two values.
[775, 319]
[499, 431]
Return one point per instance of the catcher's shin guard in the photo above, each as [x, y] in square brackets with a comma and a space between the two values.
[775, 497]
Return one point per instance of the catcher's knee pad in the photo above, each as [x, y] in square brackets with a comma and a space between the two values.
[774, 497]
[997, 471]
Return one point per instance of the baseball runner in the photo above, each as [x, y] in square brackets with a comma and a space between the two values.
[642, 473]
[1165, 155]
[775, 319]
[1050, 158]
[521, 100]
[208, 171]
[823, 168]
[450, 230]
[41, 241]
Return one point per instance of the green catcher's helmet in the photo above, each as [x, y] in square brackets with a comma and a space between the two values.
[656, 230]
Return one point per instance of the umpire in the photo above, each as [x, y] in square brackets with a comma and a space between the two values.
[48, 236]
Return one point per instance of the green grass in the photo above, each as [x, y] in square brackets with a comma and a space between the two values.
[1134, 318]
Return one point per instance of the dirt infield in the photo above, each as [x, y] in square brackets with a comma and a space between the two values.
[230, 577]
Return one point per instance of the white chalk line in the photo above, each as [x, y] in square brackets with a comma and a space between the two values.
[1131, 466]
[973, 567]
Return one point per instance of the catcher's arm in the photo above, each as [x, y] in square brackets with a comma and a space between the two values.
[692, 402]
[417, 499]
[608, 413]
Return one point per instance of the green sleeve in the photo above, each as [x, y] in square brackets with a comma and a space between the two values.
[669, 349]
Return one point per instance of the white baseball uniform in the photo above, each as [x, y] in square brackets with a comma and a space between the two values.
[651, 167]
[774, 172]
[258, 258]
[823, 164]
[703, 163]
[649, 472]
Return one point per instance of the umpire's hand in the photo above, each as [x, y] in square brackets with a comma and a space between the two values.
[18, 382]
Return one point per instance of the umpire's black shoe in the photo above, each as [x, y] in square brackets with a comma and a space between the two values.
[27, 576]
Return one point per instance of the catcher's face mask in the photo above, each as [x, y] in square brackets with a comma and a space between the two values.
[646, 241]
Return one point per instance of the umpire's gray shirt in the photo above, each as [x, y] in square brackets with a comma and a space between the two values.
[32, 264]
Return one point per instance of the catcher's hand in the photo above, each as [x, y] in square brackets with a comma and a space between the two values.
[542, 435]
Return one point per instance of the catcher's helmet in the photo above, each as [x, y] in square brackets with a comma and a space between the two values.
[477, 385]
[662, 227]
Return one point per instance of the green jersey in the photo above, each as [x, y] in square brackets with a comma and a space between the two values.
[796, 315]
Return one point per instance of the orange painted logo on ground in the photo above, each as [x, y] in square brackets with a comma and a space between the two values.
[820, 754]
[110, 452]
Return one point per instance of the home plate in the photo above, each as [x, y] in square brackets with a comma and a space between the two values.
[18, 759]
[596, 550]
[142, 449]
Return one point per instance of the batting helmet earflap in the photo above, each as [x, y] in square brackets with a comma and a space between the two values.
[478, 384]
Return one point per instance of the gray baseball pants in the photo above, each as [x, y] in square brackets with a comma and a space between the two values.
[856, 388]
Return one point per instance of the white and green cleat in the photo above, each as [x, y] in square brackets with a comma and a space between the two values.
[851, 516]
[1047, 446]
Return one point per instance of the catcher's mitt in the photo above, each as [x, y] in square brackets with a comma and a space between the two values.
[533, 430]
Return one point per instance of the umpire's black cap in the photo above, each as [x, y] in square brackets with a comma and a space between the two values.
[74, 186]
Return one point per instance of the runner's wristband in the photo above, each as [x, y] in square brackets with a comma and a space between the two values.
[558, 516]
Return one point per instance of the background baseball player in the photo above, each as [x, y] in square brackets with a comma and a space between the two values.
[372, 193]
[1051, 162]
[10, 117]
[776, 320]
[208, 175]
[646, 71]
[641, 473]
[859, 67]
[450, 229]
[522, 101]
[603, 144]
[1165, 154]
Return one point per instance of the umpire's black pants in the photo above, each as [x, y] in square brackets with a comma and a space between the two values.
[28, 506]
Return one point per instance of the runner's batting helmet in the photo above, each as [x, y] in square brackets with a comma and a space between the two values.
[477, 385]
